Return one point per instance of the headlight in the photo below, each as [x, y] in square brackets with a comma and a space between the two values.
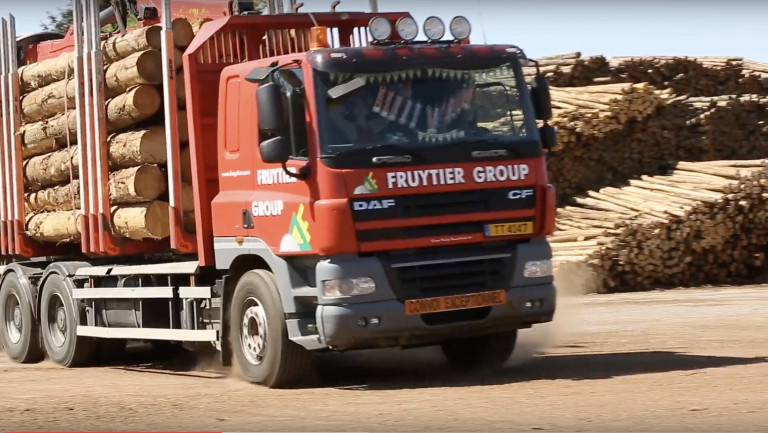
[407, 28]
[434, 28]
[348, 287]
[460, 28]
[537, 268]
[380, 28]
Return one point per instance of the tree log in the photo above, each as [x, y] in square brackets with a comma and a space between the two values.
[121, 46]
[138, 104]
[54, 227]
[183, 33]
[187, 197]
[141, 221]
[136, 184]
[182, 126]
[140, 68]
[181, 91]
[136, 147]
[132, 185]
[144, 67]
[58, 198]
[45, 72]
[51, 169]
[198, 24]
[186, 165]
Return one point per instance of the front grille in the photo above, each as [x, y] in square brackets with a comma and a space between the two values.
[450, 271]
[450, 203]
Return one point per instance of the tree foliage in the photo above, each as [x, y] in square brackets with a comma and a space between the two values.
[61, 20]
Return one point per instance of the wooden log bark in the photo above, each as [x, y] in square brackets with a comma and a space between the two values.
[137, 146]
[186, 165]
[54, 227]
[198, 24]
[58, 198]
[121, 46]
[187, 197]
[183, 32]
[141, 221]
[144, 67]
[138, 104]
[52, 168]
[181, 92]
[140, 68]
[132, 185]
[45, 72]
[140, 184]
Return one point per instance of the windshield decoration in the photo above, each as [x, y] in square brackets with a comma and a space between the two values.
[424, 107]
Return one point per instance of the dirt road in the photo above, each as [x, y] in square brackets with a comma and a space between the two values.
[689, 360]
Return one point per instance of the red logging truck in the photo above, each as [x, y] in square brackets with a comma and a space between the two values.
[352, 188]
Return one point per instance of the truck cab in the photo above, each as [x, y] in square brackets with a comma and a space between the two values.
[402, 183]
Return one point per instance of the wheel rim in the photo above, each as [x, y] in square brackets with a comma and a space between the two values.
[14, 321]
[253, 333]
[57, 320]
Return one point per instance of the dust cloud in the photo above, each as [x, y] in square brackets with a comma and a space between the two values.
[572, 281]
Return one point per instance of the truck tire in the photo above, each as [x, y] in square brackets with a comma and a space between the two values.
[259, 336]
[483, 353]
[18, 326]
[59, 317]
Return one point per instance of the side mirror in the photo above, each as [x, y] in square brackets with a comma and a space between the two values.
[548, 137]
[276, 150]
[542, 102]
[270, 106]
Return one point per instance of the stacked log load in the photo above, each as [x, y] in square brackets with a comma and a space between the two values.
[135, 144]
[704, 223]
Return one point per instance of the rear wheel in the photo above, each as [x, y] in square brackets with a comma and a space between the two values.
[484, 353]
[18, 326]
[259, 337]
[59, 317]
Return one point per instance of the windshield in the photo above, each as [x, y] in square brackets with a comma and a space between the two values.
[419, 108]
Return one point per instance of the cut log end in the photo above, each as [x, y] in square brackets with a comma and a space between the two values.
[183, 32]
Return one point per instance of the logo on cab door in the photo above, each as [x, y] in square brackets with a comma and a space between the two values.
[368, 186]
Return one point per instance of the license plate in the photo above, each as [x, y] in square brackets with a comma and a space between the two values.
[455, 302]
[509, 229]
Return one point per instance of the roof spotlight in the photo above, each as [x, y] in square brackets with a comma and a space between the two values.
[380, 28]
[460, 28]
[434, 28]
[407, 28]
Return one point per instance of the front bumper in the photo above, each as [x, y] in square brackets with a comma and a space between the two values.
[341, 326]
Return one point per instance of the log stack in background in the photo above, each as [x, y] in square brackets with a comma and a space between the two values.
[687, 118]
[704, 223]
[693, 76]
[135, 143]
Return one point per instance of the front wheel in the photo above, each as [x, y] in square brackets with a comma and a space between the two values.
[259, 338]
[485, 352]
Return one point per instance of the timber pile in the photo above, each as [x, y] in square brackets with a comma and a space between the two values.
[704, 223]
[591, 112]
[570, 70]
[685, 129]
[693, 76]
[135, 144]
